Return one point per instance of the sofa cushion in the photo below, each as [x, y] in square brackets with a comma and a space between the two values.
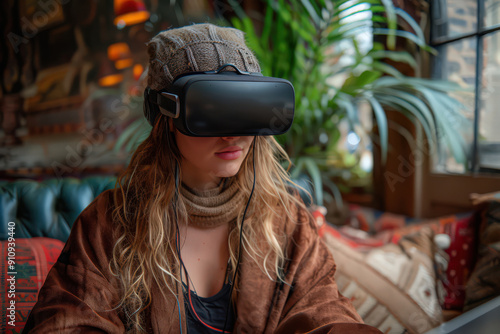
[461, 228]
[484, 282]
[461, 252]
[33, 258]
[47, 208]
[393, 287]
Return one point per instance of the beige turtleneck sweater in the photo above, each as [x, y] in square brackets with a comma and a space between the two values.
[213, 207]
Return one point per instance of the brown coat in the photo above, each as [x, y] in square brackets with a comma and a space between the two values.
[80, 291]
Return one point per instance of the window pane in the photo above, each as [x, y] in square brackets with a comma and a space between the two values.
[489, 135]
[452, 18]
[457, 62]
[491, 13]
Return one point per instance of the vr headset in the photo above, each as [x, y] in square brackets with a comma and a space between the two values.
[224, 103]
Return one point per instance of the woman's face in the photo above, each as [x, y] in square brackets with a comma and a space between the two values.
[205, 160]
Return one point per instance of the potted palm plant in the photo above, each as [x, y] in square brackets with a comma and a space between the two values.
[326, 49]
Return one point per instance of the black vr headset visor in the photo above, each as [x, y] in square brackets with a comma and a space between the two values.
[224, 103]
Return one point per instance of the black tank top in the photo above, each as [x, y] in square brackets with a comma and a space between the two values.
[211, 311]
[209, 314]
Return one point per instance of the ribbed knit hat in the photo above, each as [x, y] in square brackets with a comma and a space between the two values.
[198, 47]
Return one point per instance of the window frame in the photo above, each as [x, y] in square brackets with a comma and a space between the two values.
[425, 193]
[480, 32]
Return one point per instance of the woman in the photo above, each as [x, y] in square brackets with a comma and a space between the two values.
[167, 251]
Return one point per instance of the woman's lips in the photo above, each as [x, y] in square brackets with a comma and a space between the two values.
[230, 153]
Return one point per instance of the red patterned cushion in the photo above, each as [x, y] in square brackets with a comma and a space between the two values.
[484, 282]
[462, 233]
[33, 259]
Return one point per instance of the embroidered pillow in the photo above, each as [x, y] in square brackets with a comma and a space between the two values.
[461, 229]
[33, 258]
[393, 287]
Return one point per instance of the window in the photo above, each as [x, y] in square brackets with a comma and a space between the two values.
[466, 34]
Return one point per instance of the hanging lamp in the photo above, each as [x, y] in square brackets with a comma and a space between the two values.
[130, 12]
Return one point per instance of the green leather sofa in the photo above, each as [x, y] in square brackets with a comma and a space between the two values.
[47, 208]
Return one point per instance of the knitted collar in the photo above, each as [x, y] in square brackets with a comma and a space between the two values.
[213, 207]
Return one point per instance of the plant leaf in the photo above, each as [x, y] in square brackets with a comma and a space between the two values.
[314, 172]
[382, 126]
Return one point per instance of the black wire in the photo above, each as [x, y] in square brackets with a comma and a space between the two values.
[177, 236]
[241, 237]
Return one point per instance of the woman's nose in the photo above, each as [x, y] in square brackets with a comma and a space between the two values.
[230, 138]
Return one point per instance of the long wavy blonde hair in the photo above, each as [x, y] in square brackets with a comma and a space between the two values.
[145, 251]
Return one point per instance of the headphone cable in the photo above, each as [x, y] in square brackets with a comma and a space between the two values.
[177, 241]
[241, 238]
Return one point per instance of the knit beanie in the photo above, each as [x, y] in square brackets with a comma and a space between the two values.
[198, 47]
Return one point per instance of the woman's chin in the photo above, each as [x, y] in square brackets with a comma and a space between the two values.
[228, 171]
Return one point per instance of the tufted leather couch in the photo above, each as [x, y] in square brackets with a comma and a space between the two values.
[47, 208]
